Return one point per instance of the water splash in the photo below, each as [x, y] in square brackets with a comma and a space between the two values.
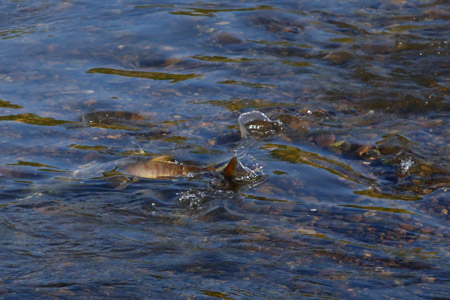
[405, 165]
[257, 125]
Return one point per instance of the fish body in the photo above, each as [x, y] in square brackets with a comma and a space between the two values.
[163, 167]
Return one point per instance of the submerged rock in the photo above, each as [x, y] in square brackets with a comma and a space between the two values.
[115, 119]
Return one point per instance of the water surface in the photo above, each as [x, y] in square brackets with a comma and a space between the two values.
[355, 198]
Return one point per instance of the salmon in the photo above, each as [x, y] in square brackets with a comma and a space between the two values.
[161, 167]
[230, 171]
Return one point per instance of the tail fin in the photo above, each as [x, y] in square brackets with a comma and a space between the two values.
[230, 170]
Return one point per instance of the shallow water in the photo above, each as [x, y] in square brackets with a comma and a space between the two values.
[354, 202]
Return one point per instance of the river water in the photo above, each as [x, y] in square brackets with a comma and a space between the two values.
[353, 197]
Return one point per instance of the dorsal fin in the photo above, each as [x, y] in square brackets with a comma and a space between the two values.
[163, 158]
[230, 170]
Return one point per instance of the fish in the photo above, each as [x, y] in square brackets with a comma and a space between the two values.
[164, 166]
[230, 171]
